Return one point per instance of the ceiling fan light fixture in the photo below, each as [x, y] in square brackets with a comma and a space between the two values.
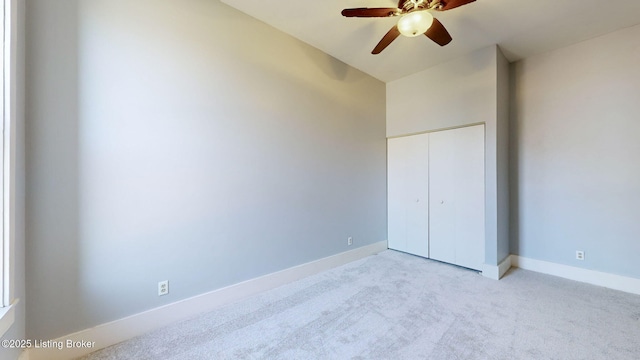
[415, 23]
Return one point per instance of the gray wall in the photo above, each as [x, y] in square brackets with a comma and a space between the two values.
[184, 140]
[458, 93]
[575, 169]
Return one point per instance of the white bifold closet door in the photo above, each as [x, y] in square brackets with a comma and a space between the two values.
[457, 201]
[408, 194]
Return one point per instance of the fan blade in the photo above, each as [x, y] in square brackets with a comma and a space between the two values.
[386, 40]
[438, 33]
[452, 4]
[370, 12]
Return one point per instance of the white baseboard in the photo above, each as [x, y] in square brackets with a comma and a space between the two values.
[612, 281]
[497, 271]
[117, 331]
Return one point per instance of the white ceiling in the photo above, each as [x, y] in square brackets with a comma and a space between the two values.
[520, 27]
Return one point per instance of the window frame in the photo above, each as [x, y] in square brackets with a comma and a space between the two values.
[4, 248]
[7, 94]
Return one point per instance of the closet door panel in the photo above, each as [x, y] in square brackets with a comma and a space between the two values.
[470, 213]
[408, 192]
[417, 196]
[456, 182]
[442, 221]
[396, 206]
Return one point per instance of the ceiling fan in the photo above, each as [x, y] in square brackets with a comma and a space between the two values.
[415, 20]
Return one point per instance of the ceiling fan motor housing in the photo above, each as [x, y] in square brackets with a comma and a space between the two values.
[420, 4]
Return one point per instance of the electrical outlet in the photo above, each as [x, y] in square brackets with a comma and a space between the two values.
[163, 287]
[349, 241]
[579, 255]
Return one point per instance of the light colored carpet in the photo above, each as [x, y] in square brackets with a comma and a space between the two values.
[397, 306]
